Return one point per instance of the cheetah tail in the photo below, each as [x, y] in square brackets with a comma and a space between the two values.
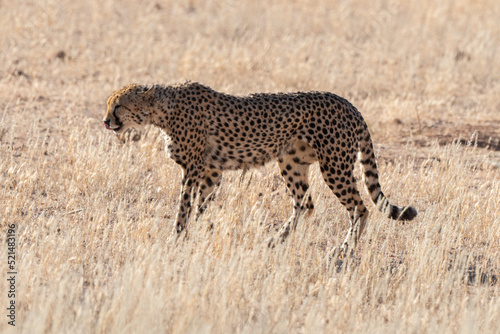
[370, 178]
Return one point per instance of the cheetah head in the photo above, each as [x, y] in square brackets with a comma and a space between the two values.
[126, 108]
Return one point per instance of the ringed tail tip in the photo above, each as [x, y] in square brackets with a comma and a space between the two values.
[408, 213]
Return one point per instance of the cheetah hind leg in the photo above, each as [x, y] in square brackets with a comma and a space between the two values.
[294, 171]
[345, 189]
[358, 223]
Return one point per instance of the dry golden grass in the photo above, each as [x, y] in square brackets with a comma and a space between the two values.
[94, 213]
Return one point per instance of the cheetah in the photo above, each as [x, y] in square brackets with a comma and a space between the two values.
[209, 132]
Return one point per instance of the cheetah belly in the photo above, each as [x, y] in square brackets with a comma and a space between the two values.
[242, 154]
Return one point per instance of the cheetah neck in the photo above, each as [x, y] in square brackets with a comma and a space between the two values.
[159, 107]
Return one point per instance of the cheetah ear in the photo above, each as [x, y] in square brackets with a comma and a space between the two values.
[149, 92]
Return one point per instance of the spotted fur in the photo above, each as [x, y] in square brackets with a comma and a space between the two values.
[209, 132]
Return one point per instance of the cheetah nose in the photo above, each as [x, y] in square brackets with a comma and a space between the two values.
[106, 124]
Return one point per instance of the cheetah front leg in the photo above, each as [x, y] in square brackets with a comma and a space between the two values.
[207, 189]
[192, 176]
[210, 181]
